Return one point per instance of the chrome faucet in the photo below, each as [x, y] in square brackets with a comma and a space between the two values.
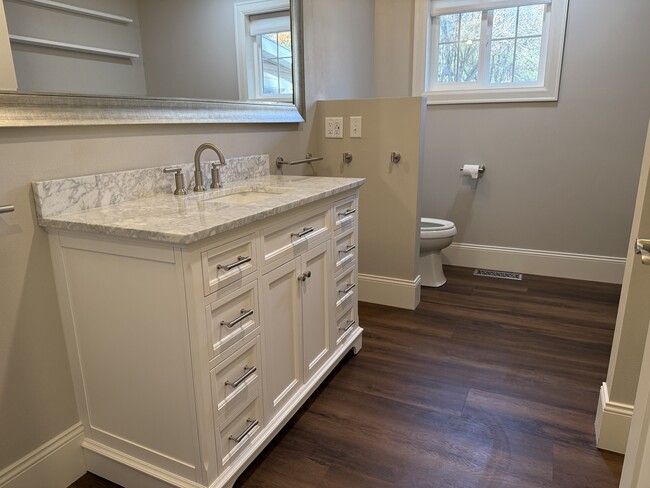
[198, 176]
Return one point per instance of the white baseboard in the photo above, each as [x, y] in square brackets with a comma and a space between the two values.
[530, 261]
[613, 421]
[394, 292]
[58, 462]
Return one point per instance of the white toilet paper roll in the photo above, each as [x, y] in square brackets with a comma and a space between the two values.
[471, 170]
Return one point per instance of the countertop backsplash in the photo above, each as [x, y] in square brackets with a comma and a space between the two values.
[55, 197]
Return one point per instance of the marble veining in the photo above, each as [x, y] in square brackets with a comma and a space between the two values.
[85, 192]
[163, 217]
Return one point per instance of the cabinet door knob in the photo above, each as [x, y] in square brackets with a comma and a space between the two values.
[304, 276]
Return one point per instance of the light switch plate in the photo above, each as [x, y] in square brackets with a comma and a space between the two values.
[355, 126]
[334, 127]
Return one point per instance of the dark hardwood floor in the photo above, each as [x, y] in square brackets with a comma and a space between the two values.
[489, 383]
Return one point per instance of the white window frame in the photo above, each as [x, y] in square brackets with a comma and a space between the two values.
[425, 34]
[246, 48]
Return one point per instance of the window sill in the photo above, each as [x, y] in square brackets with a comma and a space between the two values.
[491, 95]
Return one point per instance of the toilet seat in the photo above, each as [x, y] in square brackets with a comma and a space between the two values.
[436, 228]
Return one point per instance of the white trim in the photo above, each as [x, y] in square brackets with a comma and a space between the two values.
[531, 261]
[613, 422]
[80, 11]
[33, 41]
[442, 7]
[58, 462]
[385, 290]
[128, 470]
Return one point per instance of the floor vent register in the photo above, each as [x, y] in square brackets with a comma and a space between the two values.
[504, 275]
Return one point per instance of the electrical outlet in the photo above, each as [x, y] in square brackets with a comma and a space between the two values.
[355, 126]
[334, 127]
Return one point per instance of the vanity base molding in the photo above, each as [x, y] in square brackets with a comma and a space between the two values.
[188, 359]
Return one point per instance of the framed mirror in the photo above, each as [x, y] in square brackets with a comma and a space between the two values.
[247, 70]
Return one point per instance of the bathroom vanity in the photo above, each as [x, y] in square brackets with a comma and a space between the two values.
[197, 325]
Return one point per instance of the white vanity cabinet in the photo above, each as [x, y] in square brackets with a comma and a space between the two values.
[188, 359]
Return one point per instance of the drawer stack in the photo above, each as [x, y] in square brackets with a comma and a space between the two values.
[345, 240]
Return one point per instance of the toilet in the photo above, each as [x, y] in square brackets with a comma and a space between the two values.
[435, 235]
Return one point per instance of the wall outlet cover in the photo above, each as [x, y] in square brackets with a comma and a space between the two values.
[334, 127]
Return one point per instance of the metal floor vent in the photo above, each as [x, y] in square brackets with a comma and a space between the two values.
[504, 275]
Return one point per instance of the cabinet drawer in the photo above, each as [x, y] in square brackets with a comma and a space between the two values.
[291, 237]
[345, 250]
[345, 214]
[231, 318]
[235, 436]
[345, 324]
[236, 381]
[346, 290]
[228, 263]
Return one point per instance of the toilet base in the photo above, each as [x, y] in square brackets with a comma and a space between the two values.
[430, 267]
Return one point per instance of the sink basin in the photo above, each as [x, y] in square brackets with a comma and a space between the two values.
[247, 195]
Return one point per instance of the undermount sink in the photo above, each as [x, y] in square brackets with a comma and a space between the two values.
[247, 195]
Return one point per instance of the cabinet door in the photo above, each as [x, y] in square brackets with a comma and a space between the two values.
[282, 323]
[317, 317]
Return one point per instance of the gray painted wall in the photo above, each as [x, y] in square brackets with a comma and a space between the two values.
[36, 401]
[189, 48]
[560, 176]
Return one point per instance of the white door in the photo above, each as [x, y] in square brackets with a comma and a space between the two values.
[282, 322]
[317, 320]
[635, 300]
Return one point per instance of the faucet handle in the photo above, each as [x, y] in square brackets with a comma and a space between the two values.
[216, 181]
[179, 178]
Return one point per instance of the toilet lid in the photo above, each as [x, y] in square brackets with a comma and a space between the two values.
[427, 224]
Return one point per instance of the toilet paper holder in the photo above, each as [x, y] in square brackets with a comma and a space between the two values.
[481, 169]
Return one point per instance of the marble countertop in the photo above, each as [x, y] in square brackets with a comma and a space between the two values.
[187, 219]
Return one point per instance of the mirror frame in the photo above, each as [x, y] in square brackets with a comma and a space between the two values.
[31, 110]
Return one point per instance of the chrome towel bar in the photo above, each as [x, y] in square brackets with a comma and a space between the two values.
[279, 162]
[7, 209]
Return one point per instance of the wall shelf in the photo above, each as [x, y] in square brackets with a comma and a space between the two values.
[33, 41]
[79, 10]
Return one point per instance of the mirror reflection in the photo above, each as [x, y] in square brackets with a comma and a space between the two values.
[189, 49]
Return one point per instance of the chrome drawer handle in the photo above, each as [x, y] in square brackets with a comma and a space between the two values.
[348, 249]
[240, 437]
[247, 372]
[244, 313]
[240, 260]
[6, 209]
[347, 288]
[349, 211]
[303, 232]
[348, 326]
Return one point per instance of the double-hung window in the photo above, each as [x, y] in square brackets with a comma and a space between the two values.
[489, 50]
[264, 51]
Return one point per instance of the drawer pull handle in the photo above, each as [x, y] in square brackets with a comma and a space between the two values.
[304, 276]
[240, 260]
[303, 232]
[247, 372]
[348, 325]
[348, 287]
[240, 437]
[348, 249]
[244, 313]
[349, 211]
